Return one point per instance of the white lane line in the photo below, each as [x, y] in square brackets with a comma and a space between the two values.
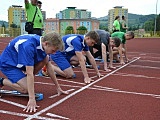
[53, 96]
[144, 53]
[108, 88]
[127, 92]
[149, 61]
[57, 116]
[13, 103]
[93, 76]
[24, 115]
[80, 90]
[134, 75]
[69, 81]
[140, 66]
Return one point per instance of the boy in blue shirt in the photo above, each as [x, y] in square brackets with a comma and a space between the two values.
[75, 45]
[23, 58]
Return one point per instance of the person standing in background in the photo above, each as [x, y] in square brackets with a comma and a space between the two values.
[39, 4]
[31, 10]
[123, 25]
[116, 24]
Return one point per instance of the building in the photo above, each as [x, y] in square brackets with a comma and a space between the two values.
[16, 14]
[73, 13]
[116, 11]
[51, 24]
[76, 18]
[90, 24]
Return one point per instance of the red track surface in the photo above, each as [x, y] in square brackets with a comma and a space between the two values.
[131, 92]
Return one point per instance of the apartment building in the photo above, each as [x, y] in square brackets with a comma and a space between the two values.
[116, 11]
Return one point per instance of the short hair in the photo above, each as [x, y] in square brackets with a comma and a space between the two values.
[116, 17]
[123, 17]
[54, 39]
[39, 2]
[130, 33]
[117, 41]
[93, 35]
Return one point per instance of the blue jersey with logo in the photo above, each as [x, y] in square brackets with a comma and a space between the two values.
[73, 43]
[24, 50]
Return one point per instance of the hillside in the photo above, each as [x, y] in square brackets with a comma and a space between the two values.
[133, 19]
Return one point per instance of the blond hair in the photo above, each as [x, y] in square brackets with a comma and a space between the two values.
[54, 39]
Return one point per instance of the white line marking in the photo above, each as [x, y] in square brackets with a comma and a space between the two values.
[93, 77]
[54, 115]
[13, 103]
[53, 96]
[24, 115]
[127, 92]
[144, 66]
[80, 90]
[108, 88]
[149, 61]
[71, 81]
[134, 75]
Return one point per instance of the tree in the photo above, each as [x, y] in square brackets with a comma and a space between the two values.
[69, 30]
[149, 25]
[158, 23]
[81, 30]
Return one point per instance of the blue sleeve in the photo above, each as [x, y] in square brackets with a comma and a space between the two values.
[26, 55]
[77, 44]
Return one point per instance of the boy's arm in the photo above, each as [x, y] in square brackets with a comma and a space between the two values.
[104, 57]
[31, 106]
[111, 57]
[93, 62]
[50, 71]
[125, 53]
[120, 53]
[80, 57]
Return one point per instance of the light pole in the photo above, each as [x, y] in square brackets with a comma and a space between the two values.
[155, 19]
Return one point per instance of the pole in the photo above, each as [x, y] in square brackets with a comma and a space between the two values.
[155, 20]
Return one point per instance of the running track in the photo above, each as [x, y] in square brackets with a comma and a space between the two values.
[130, 92]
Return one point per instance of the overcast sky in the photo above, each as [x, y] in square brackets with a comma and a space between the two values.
[99, 8]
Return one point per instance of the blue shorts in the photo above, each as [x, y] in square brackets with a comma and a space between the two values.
[14, 74]
[61, 59]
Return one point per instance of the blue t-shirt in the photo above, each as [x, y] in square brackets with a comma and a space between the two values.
[24, 50]
[73, 43]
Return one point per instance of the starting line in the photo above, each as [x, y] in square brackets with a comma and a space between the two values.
[78, 91]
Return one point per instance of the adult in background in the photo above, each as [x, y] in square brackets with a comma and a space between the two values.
[31, 9]
[123, 25]
[116, 24]
[39, 4]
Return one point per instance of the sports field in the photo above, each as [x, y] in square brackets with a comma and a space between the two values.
[129, 92]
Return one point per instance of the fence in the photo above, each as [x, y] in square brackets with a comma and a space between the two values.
[13, 32]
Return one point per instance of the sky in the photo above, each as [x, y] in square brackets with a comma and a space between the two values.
[98, 8]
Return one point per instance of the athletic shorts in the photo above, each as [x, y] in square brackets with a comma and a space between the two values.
[14, 74]
[61, 59]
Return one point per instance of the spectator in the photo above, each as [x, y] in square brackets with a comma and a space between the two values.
[123, 25]
[31, 9]
[116, 24]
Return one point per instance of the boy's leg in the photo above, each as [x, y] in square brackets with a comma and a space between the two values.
[40, 65]
[64, 67]
[16, 79]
